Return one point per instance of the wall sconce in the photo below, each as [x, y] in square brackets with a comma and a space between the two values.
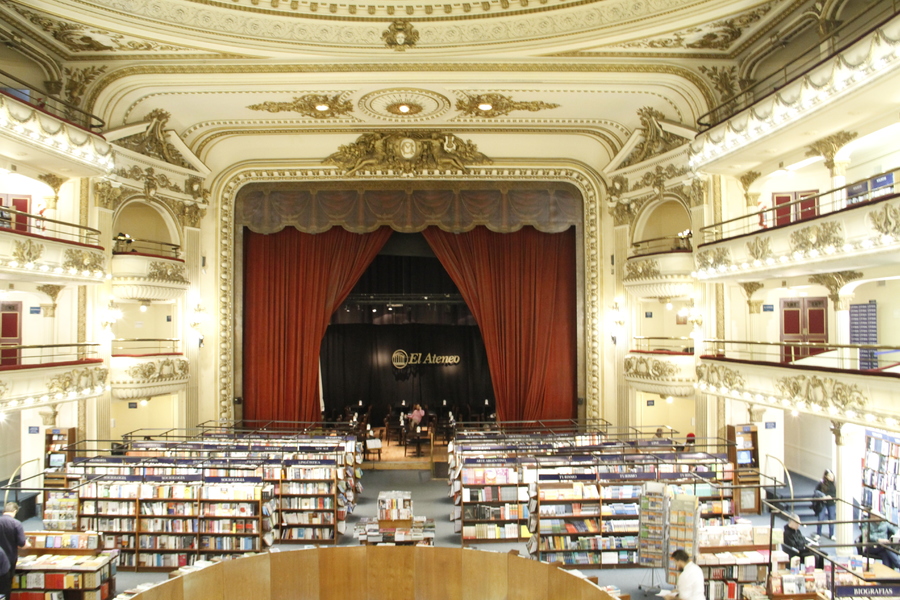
[145, 304]
[693, 314]
[110, 315]
[198, 317]
[617, 318]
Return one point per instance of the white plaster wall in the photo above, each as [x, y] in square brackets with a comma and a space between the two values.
[808, 445]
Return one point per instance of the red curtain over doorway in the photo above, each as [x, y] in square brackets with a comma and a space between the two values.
[520, 287]
[293, 283]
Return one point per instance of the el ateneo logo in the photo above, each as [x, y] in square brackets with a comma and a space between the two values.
[401, 359]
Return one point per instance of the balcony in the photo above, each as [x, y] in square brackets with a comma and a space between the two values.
[661, 365]
[853, 383]
[852, 227]
[147, 270]
[144, 368]
[38, 249]
[45, 133]
[35, 376]
[660, 267]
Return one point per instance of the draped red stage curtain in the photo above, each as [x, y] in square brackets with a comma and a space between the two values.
[521, 289]
[293, 283]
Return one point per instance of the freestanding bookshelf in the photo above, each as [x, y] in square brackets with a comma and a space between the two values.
[743, 453]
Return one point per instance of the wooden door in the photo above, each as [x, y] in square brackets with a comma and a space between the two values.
[808, 207]
[803, 320]
[22, 204]
[781, 202]
[10, 332]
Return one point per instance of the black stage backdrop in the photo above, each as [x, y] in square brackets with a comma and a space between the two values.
[356, 365]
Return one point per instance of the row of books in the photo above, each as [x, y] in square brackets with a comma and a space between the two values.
[209, 542]
[622, 557]
[589, 543]
[573, 526]
[99, 594]
[155, 525]
[307, 518]
[575, 509]
[494, 494]
[723, 590]
[489, 476]
[617, 509]
[307, 503]
[750, 558]
[577, 491]
[506, 512]
[230, 526]
[307, 533]
[491, 531]
[806, 583]
[737, 535]
[63, 540]
[107, 507]
[166, 508]
[167, 542]
[740, 573]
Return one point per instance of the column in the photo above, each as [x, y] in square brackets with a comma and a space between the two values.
[192, 328]
[846, 482]
[98, 298]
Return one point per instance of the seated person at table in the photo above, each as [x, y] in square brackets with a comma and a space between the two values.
[416, 416]
[880, 531]
[795, 542]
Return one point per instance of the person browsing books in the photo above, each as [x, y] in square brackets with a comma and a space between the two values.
[12, 537]
[690, 578]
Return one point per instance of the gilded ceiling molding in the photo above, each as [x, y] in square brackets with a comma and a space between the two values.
[407, 153]
[641, 269]
[500, 105]
[400, 35]
[317, 106]
[78, 80]
[624, 213]
[187, 215]
[404, 104]
[393, 67]
[825, 392]
[720, 376]
[586, 184]
[886, 220]
[724, 79]
[818, 238]
[168, 272]
[51, 290]
[654, 141]
[828, 146]
[151, 180]
[834, 282]
[153, 142]
[750, 287]
[167, 369]
[760, 248]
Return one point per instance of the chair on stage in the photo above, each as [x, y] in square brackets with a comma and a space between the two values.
[418, 436]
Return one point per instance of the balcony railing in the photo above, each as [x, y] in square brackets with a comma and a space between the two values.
[845, 357]
[841, 38]
[23, 92]
[146, 346]
[16, 356]
[680, 242]
[663, 345]
[803, 209]
[36, 225]
[129, 245]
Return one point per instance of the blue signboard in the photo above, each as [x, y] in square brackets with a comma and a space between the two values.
[34, 310]
[882, 181]
[768, 308]
[770, 424]
[34, 429]
[869, 591]
[648, 315]
[651, 402]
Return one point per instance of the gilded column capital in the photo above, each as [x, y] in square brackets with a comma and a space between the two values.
[755, 412]
[755, 306]
[837, 430]
[828, 146]
[834, 282]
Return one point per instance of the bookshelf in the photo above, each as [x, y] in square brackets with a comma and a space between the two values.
[64, 576]
[60, 507]
[418, 532]
[566, 523]
[880, 486]
[652, 536]
[735, 556]
[310, 507]
[490, 504]
[683, 521]
[743, 453]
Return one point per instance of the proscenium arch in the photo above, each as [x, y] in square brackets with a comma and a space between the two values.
[590, 324]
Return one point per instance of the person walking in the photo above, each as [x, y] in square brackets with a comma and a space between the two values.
[12, 537]
[824, 495]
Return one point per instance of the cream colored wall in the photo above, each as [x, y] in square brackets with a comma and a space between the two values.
[678, 415]
[150, 324]
[143, 222]
[666, 219]
[887, 296]
[663, 322]
[158, 413]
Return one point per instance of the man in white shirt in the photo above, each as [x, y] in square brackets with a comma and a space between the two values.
[690, 581]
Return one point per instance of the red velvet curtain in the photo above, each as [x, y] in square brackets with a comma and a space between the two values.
[293, 283]
[521, 289]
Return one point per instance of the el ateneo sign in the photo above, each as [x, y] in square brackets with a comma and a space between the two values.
[402, 359]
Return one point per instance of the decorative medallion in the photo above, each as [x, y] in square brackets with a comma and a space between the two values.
[818, 237]
[28, 251]
[83, 260]
[165, 271]
[4, 388]
[497, 105]
[713, 259]
[404, 104]
[760, 248]
[317, 106]
[407, 153]
[153, 141]
[78, 380]
[163, 370]
[649, 368]
[641, 269]
[719, 376]
[657, 179]
[825, 392]
[400, 35]
[151, 180]
[886, 220]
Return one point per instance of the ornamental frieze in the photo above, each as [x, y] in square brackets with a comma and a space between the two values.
[189, 215]
[886, 220]
[83, 260]
[760, 248]
[818, 237]
[834, 282]
[824, 392]
[719, 376]
[78, 380]
[624, 213]
[168, 369]
[655, 140]
[408, 153]
[109, 196]
[166, 271]
[151, 179]
[500, 105]
[28, 251]
[4, 387]
[645, 367]
[714, 258]
[154, 142]
[641, 269]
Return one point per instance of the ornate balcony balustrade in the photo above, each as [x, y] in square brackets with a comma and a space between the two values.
[157, 274]
[147, 367]
[661, 275]
[661, 365]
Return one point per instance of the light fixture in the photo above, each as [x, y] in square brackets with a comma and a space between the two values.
[669, 399]
[692, 314]
[404, 108]
[617, 320]
[145, 304]
[198, 316]
[145, 401]
[667, 302]
[485, 106]
[322, 107]
[110, 315]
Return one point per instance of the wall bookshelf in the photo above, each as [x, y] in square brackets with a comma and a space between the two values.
[881, 466]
